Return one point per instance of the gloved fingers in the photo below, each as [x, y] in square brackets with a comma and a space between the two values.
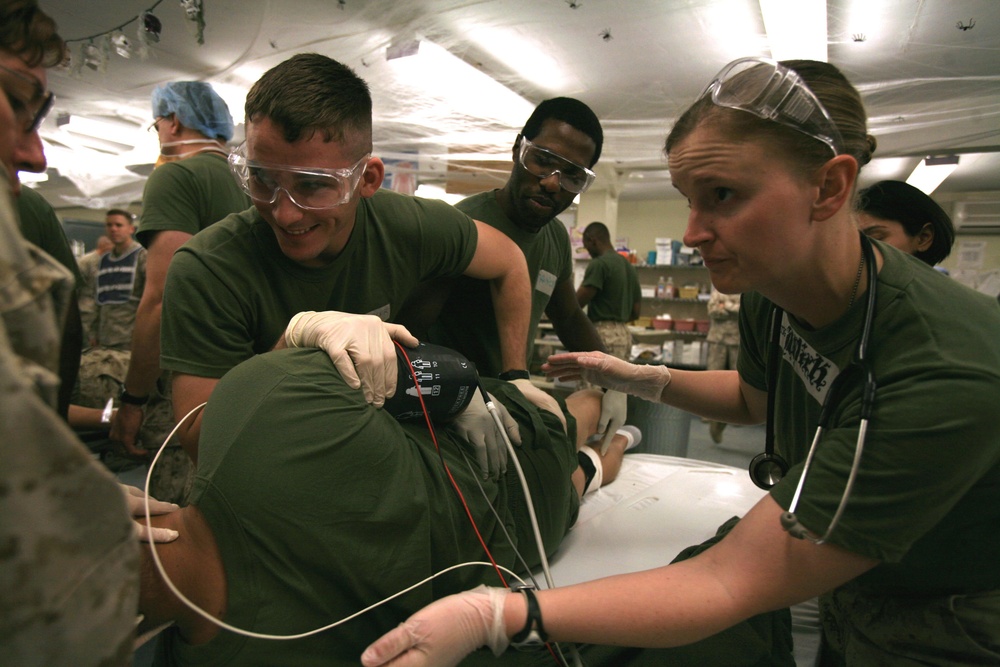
[402, 335]
[393, 648]
[481, 449]
[345, 365]
[158, 535]
[135, 498]
[606, 441]
[509, 424]
[295, 326]
[614, 411]
[374, 358]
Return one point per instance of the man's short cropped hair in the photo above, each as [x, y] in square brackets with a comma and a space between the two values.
[571, 111]
[311, 93]
[122, 212]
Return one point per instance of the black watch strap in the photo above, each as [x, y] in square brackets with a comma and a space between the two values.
[532, 635]
[126, 397]
[507, 376]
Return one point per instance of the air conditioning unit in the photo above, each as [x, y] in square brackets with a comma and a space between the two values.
[976, 216]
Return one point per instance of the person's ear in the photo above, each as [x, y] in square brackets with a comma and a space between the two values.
[516, 148]
[924, 238]
[174, 124]
[835, 180]
[372, 177]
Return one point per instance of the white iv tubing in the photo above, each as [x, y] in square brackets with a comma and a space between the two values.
[257, 635]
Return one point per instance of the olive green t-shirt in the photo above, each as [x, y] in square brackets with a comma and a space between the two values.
[231, 291]
[926, 500]
[322, 505]
[617, 287]
[189, 195]
[467, 322]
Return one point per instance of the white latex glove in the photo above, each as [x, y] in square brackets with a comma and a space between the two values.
[359, 345]
[477, 425]
[614, 410]
[643, 380]
[135, 498]
[540, 399]
[444, 632]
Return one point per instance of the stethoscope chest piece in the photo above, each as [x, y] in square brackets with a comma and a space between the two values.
[767, 469]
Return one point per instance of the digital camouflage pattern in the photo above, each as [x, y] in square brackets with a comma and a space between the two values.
[69, 562]
[102, 372]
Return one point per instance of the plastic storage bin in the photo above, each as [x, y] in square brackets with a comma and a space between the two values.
[665, 429]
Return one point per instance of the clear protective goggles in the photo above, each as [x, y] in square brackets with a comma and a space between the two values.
[543, 163]
[771, 91]
[311, 188]
[28, 99]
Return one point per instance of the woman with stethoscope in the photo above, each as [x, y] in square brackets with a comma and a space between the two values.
[880, 381]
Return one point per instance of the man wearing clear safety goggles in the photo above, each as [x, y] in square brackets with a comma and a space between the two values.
[553, 158]
[326, 257]
[544, 164]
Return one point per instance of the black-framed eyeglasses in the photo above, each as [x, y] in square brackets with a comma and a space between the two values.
[542, 163]
[28, 98]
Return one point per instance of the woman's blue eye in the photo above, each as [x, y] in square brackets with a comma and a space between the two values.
[723, 194]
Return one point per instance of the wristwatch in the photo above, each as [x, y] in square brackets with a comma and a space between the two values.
[532, 635]
[507, 376]
[128, 398]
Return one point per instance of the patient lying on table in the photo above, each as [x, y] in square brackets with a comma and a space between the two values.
[310, 505]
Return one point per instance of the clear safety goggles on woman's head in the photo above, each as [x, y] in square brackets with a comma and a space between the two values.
[543, 163]
[771, 91]
[311, 188]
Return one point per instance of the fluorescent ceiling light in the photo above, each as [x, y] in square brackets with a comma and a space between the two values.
[931, 172]
[110, 131]
[525, 57]
[795, 28]
[437, 75]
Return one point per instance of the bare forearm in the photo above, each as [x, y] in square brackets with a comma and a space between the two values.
[577, 333]
[756, 568]
[513, 315]
[716, 395]
[144, 367]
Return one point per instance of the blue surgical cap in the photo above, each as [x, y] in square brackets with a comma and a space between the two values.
[196, 105]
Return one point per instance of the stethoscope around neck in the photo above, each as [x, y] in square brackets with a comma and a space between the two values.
[768, 468]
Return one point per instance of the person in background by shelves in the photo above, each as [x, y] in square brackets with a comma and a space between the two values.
[906, 218]
[610, 291]
[553, 157]
[723, 342]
